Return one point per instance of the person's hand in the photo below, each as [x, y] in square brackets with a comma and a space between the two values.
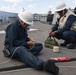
[53, 33]
[50, 33]
[32, 40]
[31, 43]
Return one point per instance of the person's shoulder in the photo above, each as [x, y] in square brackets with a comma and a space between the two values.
[72, 16]
[71, 13]
[15, 24]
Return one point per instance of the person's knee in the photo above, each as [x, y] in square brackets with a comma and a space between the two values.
[40, 46]
[65, 35]
[21, 50]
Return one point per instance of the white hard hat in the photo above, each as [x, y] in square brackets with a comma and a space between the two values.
[60, 6]
[26, 17]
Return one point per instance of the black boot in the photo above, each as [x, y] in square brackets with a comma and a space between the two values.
[71, 46]
[50, 66]
[64, 44]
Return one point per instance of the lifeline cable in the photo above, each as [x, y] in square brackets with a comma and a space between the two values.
[13, 54]
[10, 57]
[14, 67]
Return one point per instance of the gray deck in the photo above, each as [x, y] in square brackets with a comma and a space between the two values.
[66, 68]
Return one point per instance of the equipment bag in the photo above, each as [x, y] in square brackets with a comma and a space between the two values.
[50, 42]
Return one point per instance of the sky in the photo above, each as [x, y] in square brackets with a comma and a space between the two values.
[34, 6]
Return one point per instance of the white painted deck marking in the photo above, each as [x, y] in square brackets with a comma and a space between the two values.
[30, 30]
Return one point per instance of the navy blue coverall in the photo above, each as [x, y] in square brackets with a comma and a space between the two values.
[17, 37]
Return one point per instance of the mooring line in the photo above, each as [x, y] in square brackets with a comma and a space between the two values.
[17, 70]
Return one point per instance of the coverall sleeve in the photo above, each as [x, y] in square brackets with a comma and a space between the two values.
[55, 27]
[13, 37]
